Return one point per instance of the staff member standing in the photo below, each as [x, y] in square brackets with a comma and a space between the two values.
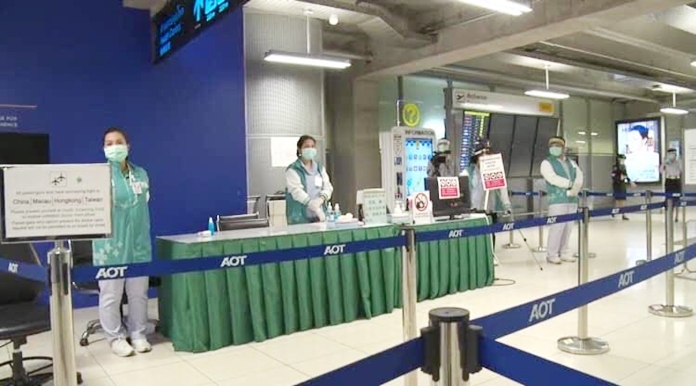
[619, 181]
[307, 185]
[441, 164]
[672, 170]
[564, 179]
[130, 243]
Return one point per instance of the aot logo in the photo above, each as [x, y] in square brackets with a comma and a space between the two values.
[542, 310]
[13, 267]
[334, 249]
[679, 258]
[643, 207]
[626, 279]
[111, 273]
[456, 233]
[509, 226]
[233, 261]
[615, 211]
[551, 220]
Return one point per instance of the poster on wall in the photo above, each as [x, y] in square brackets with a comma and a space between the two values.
[689, 157]
[17, 117]
[638, 140]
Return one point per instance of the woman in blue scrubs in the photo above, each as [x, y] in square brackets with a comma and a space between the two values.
[130, 243]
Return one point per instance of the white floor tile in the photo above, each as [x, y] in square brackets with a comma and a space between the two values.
[175, 374]
[238, 363]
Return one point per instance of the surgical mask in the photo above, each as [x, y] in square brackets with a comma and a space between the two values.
[671, 157]
[309, 153]
[442, 148]
[622, 162]
[116, 153]
[556, 151]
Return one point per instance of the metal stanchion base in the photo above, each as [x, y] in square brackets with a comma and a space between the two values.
[579, 346]
[512, 246]
[592, 255]
[540, 249]
[641, 261]
[671, 311]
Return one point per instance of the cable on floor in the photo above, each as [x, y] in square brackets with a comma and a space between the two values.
[502, 282]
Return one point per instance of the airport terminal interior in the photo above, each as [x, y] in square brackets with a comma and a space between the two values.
[303, 181]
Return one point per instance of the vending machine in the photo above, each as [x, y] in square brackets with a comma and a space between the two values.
[406, 153]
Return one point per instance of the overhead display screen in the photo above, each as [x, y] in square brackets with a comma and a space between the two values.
[182, 20]
[639, 141]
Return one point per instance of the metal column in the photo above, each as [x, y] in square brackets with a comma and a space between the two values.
[409, 294]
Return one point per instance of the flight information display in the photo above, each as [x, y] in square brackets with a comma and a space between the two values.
[475, 127]
[418, 154]
[182, 20]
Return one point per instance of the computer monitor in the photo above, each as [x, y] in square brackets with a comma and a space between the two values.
[449, 207]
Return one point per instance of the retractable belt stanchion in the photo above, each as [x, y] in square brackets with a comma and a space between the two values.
[648, 229]
[64, 366]
[409, 294]
[582, 344]
[512, 244]
[584, 203]
[451, 347]
[669, 309]
[685, 240]
[541, 247]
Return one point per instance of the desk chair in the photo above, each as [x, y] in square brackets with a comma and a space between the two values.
[22, 316]
[82, 256]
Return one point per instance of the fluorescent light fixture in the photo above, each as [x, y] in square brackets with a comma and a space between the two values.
[581, 142]
[673, 111]
[507, 7]
[302, 59]
[547, 94]
[582, 133]
[594, 134]
[482, 106]
[693, 63]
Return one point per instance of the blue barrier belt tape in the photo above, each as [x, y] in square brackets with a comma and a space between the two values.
[529, 369]
[627, 209]
[169, 267]
[616, 195]
[24, 270]
[528, 314]
[376, 369]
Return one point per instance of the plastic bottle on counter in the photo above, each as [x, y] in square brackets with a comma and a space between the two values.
[211, 226]
[330, 219]
[337, 212]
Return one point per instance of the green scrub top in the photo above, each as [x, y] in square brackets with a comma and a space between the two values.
[130, 242]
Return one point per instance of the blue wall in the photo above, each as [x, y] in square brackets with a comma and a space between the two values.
[87, 65]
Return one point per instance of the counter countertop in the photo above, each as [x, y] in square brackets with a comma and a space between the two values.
[289, 230]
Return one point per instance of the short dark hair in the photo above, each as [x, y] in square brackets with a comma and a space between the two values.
[116, 130]
[301, 142]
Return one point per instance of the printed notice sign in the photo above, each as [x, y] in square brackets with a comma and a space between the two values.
[448, 188]
[492, 172]
[43, 202]
[421, 208]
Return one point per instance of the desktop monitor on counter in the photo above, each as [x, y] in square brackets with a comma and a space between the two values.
[449, 207]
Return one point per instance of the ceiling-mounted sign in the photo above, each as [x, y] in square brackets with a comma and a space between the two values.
[411, 115]
[502, 103]
[182, 20]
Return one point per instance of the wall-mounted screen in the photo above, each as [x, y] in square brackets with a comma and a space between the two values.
[180, 21]
[638, 140]
[418, 154]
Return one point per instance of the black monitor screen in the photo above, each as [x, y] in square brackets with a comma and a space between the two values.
[452, 207]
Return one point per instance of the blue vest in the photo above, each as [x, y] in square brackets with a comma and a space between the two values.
[555, 194]
[296, 212]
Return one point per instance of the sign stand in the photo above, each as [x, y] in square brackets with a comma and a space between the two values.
[492, 172]
[57, 203]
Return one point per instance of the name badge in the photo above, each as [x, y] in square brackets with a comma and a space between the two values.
[318, 182]
[137, 188]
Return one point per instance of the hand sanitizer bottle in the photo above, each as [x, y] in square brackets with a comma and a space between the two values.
[337, 212]
[330, 219]
[211, 226]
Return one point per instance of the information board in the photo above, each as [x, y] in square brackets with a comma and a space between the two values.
[418, 154]
[52, 202]
[689, 157]
[180, 21]
[492, 172]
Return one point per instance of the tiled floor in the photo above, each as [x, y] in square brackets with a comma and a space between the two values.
[645, 349]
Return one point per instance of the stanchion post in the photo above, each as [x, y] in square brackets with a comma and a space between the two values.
[584, 204]
[409, 294]
[512, 244]
[669, 309]
[682, 203]
[64, 365]
[648, 229]
[582, 344]
[451, 347]
[541, 247]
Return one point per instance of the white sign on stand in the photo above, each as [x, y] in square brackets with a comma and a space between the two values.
[492, 172]
[689, 157]
[421, 208]
[448, 188]
[374, 206]
[53, 202]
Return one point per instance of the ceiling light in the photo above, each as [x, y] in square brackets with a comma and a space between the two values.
[547, 94]
[594, 134]
[693, 63]
[312, 60]
[333, 19]
[508, 7]
[582, 133]
[673, 111]
[581, 142]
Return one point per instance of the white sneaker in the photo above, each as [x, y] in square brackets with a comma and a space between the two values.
[141, 345]
[121, 348]
[553, 260]
[568, 258]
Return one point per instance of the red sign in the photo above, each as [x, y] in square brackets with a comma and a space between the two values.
[492, 172]
[448, 188]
